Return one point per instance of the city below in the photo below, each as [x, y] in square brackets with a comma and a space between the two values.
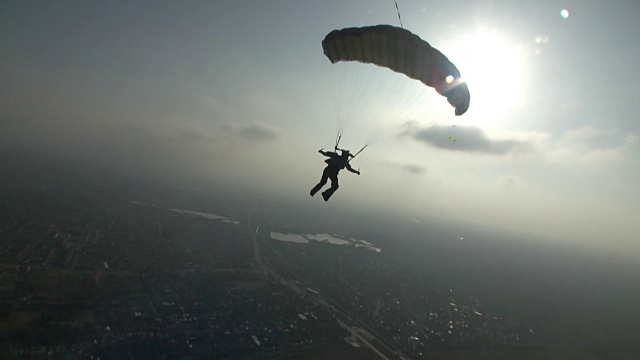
[91, 270]
[95, 277]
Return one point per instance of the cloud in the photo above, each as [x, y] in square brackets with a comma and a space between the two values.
[255, 131]
[193, 136]
[509, 182]
[410, 168]
[258, 101]
[587, 133]
[467, 139]
[599, 138]
[414, 169]
[211, 102]
[588, 145]
[216, 104]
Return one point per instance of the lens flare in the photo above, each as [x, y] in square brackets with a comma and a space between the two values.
[564, 13]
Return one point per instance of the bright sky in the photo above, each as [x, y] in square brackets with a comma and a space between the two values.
[240, 92]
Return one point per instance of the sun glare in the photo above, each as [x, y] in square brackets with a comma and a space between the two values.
[494, 71]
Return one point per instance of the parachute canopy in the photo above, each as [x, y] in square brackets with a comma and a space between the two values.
[403, 52]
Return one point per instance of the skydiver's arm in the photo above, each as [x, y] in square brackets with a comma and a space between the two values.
[348, 167]
[326, 153]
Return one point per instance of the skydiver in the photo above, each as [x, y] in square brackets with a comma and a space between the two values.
[335, 163]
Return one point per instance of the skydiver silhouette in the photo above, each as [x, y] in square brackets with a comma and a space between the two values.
[335, 163]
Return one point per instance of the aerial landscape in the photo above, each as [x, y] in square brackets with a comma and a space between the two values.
[159, 164]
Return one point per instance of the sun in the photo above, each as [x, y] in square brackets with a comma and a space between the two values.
[494, 70]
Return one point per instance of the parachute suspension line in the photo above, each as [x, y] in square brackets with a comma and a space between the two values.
[401, 102]
[348, 92]
[412, 103]
[390, 83]
[391, 102]
[359, 151]
[398, 10]
[338, 138]
[338, 89]
[352, 95]
[356, 79]
[409, 113]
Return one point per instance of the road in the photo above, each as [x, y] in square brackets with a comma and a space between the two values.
[344, 319]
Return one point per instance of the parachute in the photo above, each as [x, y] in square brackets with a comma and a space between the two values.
[401, 51]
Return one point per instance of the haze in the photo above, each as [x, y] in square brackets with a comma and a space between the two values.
[236, 93]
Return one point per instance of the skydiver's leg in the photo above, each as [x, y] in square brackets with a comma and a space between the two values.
[334, 186]
[322, 182]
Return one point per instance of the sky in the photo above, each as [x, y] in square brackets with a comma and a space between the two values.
[239, 94]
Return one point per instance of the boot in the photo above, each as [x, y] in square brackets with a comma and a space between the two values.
[327, 194]
[314, 190]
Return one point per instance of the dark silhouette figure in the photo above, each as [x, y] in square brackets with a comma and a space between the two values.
[335, 163]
